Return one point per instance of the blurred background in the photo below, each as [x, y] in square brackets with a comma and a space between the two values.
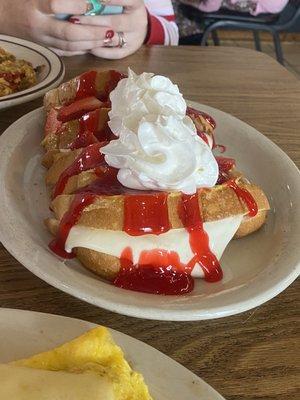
[270, 26]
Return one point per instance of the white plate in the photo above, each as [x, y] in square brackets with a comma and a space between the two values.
[51, 76]
[24, 333]
[256, 268]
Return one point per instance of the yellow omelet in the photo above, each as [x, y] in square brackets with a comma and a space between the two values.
[95, 351]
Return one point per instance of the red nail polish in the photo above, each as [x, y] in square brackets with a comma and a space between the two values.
[74, 20]
[109, 34]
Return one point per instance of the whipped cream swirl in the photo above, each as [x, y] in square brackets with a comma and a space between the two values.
[157, 146]
[140, 95]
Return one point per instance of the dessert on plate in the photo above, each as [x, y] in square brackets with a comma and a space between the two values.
[138, 195]
[90, 366]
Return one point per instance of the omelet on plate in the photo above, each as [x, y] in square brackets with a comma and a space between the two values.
[91, 362]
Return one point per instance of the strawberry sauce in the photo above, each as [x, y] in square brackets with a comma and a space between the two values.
[90, 121]
[225, 164]
[84, 138]
[192, 112]
[89, 158]
[78, 108]
[71, 217]
[146, 214]
[160, 271]
[157, 277]
[112, 82]
[191, 219]
[86, 85]
[90, 132]
[244, 196]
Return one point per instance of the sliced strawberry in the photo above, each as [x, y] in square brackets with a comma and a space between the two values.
[106, 82]
[83, 139]
[114, 78]
[193, 113]
[202, 135]
[78, 108]
[53, 125]
[86, 85]
[98, 84]
[90, 157]
[105, 135]
[225, 165]
[96, 122]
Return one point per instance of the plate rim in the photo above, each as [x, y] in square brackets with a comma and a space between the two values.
[34, 92]
[150, 312]
[114, 332]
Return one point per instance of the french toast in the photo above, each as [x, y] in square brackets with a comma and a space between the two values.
[89, 200]
[81, 132]
[108, 213]
[94, 83]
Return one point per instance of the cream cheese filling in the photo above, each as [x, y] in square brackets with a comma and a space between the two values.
[114, 242]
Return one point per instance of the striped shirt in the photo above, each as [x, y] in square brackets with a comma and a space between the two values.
[162, 28]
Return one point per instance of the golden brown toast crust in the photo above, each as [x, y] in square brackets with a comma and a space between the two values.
[219, 202]
[66, 92]
[64, 138]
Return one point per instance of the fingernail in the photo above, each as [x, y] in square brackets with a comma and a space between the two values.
[109, 34]
[74, 20]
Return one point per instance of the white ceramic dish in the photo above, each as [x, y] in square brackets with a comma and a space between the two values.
[24, 333]
[256, 268]
[51, 75]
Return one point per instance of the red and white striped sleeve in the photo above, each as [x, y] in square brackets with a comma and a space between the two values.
[162, 28]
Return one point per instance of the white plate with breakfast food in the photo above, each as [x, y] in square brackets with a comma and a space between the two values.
[27, 71]
[135, 205]
[44, 356]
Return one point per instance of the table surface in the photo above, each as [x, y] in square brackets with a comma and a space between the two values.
[249, 356]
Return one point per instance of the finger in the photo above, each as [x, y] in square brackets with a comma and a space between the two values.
[62, 6]
[116, 52]
[111, 53]
[78, 6]
[73, 32]
[73, 46]
[119, 22]
[63, 53]
[125, 3]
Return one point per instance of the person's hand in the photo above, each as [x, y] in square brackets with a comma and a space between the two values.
[34, 19]
[132, 24]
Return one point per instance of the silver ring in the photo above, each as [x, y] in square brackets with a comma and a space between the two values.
[122, 41]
